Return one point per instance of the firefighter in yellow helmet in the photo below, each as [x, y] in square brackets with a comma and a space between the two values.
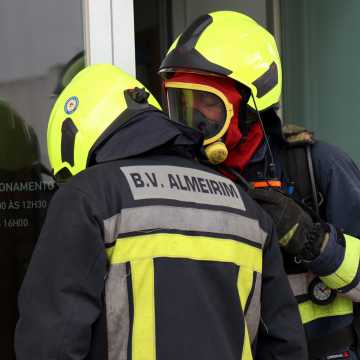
[222, 75]
[146, 253]
[227, 56]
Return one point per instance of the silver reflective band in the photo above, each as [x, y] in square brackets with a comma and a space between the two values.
[300, 282]
[180, 218]
[182, 184]
[253, 314]
[117, 312]
[353, 294]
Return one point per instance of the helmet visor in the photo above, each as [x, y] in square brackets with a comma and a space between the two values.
[199, 109]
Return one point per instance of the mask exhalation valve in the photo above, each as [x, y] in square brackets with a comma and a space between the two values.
[216, 152]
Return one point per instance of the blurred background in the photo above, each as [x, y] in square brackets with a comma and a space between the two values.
[44, 44]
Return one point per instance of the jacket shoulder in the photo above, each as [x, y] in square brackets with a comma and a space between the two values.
[327, 157]
[327, 153]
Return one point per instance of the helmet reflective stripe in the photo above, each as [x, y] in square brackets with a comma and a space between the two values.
[267, 81]
[69, 131]
[232, 43]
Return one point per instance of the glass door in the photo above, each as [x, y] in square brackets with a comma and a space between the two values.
[38, 38]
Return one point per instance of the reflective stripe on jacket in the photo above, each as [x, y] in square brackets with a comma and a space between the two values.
[191, 264]
[147, 243]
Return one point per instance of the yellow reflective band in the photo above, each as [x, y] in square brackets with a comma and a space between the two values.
[245, 282]
[143, 339]
[286, 238]
[310, 311]
[246, 353]
[110, 252]
[189, 247]
[346, 273]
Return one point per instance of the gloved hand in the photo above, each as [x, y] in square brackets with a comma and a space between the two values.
[297, 233]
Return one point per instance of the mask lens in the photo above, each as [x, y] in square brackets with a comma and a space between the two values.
[198, 109]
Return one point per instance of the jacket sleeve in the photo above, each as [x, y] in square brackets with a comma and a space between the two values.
[339, 178]
[338, 264]
[281, 334]
[61, 295]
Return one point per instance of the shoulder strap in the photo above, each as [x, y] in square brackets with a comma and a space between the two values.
[297, 167]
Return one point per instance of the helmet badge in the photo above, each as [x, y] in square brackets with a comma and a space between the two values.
[71, 105]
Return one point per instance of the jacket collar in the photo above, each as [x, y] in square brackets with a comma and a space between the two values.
[148, 131]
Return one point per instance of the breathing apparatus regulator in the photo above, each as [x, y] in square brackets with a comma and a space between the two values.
[216, 152]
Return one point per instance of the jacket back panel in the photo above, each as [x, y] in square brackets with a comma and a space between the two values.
[185, 250]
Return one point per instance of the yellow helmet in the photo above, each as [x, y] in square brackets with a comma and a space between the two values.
[232, 44]
[99, 100]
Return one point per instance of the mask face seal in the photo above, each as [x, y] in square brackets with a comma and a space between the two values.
[203, 108]
[200, 107]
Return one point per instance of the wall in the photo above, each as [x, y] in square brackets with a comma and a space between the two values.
[320, 55]
[185, 11]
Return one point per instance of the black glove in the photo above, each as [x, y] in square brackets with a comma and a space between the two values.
[297, 233]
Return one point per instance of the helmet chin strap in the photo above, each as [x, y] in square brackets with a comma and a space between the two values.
[246, 118]
[272, 164]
